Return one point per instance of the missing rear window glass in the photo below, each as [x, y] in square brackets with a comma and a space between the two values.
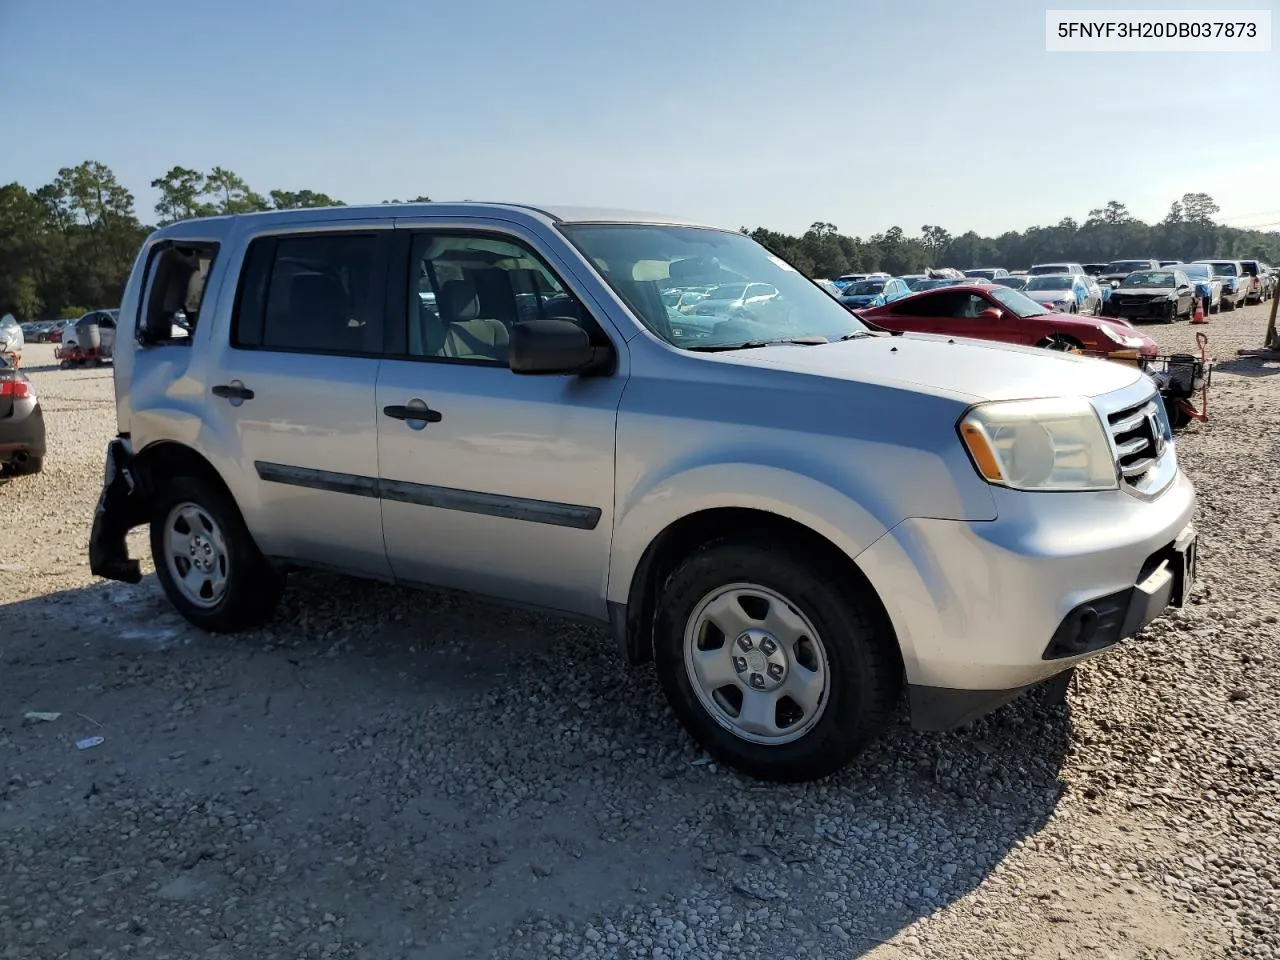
[175, 295]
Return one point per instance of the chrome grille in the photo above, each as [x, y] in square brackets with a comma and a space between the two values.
[1137, 434]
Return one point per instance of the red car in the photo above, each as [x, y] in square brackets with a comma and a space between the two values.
[986, 312]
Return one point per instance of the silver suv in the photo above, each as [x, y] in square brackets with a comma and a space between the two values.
[791, 514]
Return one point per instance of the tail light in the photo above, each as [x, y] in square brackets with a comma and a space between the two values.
[18, 389]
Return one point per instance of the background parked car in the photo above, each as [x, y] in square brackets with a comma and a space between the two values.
[1259, 286]
[933, 283]
[1040, 268]
[1115, 271]
[12, 339]
[22, 436]
[1235, 283]
[1165, 295]
[734, 300]
[987, 273]
[1208, 287]
[993, 312]
[1065, 292]
[1013, 283]
[874, 292]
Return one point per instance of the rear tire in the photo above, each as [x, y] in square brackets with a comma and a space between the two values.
[243, 588]
[831, 648]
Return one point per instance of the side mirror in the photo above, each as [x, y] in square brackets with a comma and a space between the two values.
[555, 346]
[991, 313]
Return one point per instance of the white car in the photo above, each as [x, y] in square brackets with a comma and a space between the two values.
[11, 337]
[1065, 292]
[1235, 282]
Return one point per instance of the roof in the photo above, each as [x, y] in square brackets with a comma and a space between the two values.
[202, 226]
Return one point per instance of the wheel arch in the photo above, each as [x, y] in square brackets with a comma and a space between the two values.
[634, 621]
[172, 458]
[1060, 335]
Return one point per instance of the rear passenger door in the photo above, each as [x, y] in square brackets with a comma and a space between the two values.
[294, 388]
[492, 482]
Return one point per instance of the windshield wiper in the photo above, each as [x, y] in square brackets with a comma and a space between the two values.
[752, 344]
[856, 335]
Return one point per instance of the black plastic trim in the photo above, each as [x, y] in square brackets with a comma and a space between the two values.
[317, 479]
[491, 504]
[937, 709]
[428, 495]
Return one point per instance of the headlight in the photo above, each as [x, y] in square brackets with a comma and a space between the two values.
[1115, 336]
[1050, 444]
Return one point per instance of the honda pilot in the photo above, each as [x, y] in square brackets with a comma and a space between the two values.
[796, 519]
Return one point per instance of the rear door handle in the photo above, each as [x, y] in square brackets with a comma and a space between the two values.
[233, 391]
[415, 411]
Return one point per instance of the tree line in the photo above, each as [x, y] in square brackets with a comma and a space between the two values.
[67, 247]
[1188, 232]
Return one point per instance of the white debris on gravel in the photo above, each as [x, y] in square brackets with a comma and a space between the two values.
[410, 775]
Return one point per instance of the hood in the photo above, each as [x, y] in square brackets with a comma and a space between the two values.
[968, 370]
[860, 299]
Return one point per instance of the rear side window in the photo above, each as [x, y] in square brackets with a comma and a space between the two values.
[935, 305]
[318, 293]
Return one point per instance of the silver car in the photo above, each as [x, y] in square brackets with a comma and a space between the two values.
[793, 516]
[1065, 292]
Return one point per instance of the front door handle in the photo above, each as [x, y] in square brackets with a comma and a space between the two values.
[414, 411]
[235, 391]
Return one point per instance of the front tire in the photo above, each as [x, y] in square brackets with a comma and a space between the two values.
[1061, 343]
[772, 667]
[206, 560]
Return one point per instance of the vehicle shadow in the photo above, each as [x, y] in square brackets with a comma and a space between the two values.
[1248, 367]
[464, 772]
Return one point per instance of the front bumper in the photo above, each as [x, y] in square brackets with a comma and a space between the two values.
[1147, 310]
[121, 507]
[979, 606]
[22, 432]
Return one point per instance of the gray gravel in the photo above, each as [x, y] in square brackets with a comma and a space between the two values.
[393, 774]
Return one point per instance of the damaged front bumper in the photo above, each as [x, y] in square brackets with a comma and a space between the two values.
[121, 507]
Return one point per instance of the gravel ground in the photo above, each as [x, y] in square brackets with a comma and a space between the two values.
[394, 774]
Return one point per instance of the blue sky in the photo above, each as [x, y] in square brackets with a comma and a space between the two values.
[863, 114]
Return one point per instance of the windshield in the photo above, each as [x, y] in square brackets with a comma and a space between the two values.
[980, 273]
[864, 288]
[1017, 302]
[641, 261]
[1224, 269]
[1049, 282]
[1153, 279]
[1197, 271]
[1017, 283]
[1126, 266]
[730, 291]
[1048, 268]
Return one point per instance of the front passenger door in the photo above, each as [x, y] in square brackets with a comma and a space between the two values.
[492, 482]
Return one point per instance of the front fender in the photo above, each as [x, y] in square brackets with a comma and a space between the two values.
[753, 486]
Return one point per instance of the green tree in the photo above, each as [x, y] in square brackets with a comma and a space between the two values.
[291, 200]
[180, 192]
[230, 194]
